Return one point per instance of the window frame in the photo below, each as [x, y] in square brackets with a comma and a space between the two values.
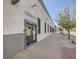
[45, 27]
[39, 25]
[48, 27]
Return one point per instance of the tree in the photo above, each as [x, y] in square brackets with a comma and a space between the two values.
[65, 20]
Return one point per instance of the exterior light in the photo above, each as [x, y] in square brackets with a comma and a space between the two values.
[15, 2]
[34, 6]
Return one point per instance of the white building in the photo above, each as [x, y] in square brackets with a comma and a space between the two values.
[25, 22]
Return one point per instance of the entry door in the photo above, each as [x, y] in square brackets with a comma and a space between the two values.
[30, 34]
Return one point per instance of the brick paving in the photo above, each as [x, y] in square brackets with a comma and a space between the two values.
[55, 46]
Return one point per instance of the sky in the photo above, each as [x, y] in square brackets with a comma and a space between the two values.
[53, 6]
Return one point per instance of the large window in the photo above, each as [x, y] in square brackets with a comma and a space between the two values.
[48, 28]
[39, 26]
[45, 27]
[52, 29]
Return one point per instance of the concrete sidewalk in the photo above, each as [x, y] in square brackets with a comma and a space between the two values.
[48, 48]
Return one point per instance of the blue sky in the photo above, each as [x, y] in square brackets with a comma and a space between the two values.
[54, 5]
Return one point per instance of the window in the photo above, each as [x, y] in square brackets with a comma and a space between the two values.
[52, 29]
[45, 27]
[48, 28]
[39, 26]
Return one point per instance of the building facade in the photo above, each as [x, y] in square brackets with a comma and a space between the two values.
[25, 22]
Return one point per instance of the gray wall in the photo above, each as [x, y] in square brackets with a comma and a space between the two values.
[12, 43]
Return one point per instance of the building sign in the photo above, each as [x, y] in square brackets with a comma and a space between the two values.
[30, 17]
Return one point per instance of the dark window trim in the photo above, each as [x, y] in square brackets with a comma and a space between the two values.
[48, 27]
[45, 27]
[39, 25]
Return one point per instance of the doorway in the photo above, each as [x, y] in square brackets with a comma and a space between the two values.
[30, 33]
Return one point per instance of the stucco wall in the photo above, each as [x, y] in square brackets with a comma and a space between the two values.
[12, 44]
[13, 19]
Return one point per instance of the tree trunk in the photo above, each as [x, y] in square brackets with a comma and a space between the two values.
[68, 33]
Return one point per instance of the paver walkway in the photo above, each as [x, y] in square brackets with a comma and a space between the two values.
[48, 48]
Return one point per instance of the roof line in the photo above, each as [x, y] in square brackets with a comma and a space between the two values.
[42, 4]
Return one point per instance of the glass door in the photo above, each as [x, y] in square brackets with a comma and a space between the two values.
[30, 34]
